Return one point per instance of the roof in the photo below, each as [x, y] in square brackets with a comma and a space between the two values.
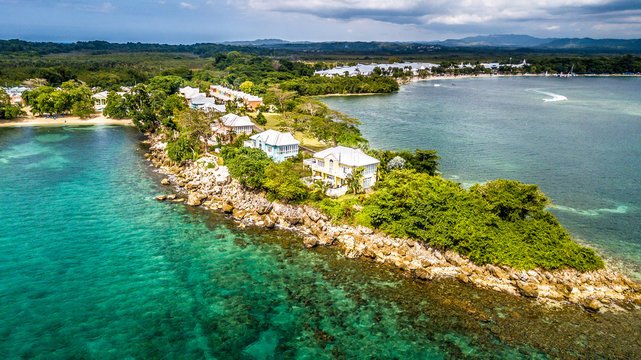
[233, 120]
[348, 156]
[101, 95]
[202, 99]
[214, 107]
[275, 138]
[189, 92]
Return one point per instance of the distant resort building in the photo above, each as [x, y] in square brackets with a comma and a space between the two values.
[415, 68]
[199, 100]
[226, 94]
[334, 165]
[232, 123]
[15, 94]
[277, 145]
[368, 69]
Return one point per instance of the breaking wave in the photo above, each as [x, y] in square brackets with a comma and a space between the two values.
[621, 209]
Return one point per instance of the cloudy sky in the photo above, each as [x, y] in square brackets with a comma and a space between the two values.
[191, 21]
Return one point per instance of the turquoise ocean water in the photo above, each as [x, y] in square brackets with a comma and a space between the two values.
[584, 152]
[91, 267]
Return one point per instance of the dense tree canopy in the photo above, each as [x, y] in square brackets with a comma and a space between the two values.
[502, 222]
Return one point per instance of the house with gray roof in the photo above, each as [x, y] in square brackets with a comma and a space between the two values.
[277, 145]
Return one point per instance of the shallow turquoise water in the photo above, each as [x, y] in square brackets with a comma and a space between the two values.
[584, 153]
[91, 267]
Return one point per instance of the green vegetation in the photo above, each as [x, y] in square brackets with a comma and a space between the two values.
[182, 148]
[7, 110]
[246, 165]
[256, 171]
[283, 181]
[72, 97]
[423, 161]
[149, 108]
[502, 222]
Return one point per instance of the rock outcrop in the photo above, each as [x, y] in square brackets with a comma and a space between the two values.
[212, 187]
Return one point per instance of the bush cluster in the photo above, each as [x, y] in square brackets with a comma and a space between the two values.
[502, 222]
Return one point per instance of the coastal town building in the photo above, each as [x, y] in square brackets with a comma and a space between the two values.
[15, 94]
[199, 100]
[368, 69]
[334, 165]
[226, 94]
[232, 123]
[100, 100]
[277, 145]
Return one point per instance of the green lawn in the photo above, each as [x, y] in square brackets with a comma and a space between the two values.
[306, 140]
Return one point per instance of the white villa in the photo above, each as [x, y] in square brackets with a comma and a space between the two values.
[335, 164]
[277, 145]
[234, 123]
[100, 100]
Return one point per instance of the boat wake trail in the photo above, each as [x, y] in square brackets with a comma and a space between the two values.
[621, 209]
[553, 96]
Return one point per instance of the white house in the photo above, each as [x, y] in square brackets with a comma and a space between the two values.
[234, 123]
[100, 100]
[277, 145]
[334, 165]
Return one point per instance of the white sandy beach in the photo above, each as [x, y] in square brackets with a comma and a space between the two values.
[67, 120]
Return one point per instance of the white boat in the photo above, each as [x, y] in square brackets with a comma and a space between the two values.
[437, 85]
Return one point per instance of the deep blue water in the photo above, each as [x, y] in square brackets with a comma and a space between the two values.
[91, 267]
[584, 153]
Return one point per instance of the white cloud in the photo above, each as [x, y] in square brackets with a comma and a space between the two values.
[186, 5]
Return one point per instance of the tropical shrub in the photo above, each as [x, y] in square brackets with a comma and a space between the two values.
[247, 165]
[182, 148]
[502, 222]
[283, 182]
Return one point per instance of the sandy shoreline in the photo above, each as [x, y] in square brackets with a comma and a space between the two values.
[67, 120]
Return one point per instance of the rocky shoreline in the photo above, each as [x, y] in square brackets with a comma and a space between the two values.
[209, 185]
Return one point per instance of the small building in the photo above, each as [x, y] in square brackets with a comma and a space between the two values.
[334, 165]
[189, 92]
[100, 100]
[234, 124]
[16, 99]
[226, 94]
[277, 145]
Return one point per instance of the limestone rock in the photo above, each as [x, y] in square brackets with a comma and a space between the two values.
[161, 197]
[592, 305]
[228, 208]
[310, 241]
[527, 290]
[171, 197]
[262, 206]
[164, 181]
[195, 198]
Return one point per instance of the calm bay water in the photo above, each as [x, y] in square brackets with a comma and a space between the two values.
[91, 267]
[584, 153]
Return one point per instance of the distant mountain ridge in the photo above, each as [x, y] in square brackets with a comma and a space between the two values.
[531, 42]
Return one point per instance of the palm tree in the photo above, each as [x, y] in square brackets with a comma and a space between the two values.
[321, 186]
[354, 180]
